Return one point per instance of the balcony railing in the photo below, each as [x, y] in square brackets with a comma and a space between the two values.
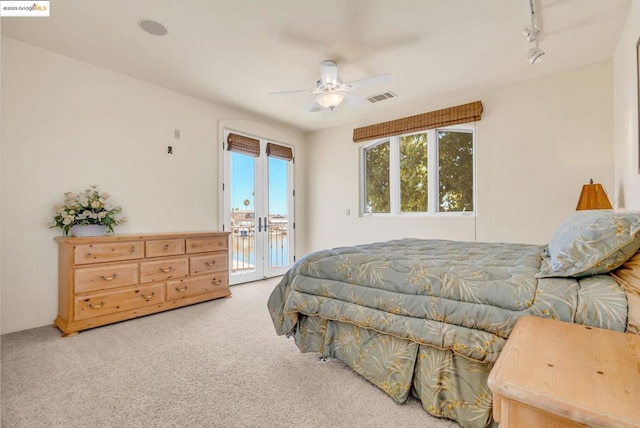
[243, 245]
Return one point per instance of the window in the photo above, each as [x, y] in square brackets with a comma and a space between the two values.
[425, 172]
[376, 162]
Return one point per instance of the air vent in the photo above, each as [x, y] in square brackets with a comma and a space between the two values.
[381, 97]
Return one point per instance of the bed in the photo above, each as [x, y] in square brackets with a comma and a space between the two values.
[429, 318]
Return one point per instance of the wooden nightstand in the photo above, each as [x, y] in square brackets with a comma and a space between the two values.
[558, 374]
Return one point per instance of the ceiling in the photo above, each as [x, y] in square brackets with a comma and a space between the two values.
[235, 52]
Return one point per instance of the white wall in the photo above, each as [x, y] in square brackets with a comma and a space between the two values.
[537, 143]
[627, 179]
[67, 124]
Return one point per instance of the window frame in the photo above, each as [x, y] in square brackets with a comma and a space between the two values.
[433, 169]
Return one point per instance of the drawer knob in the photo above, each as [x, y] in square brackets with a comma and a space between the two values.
[91, 306]
[148, 296]
[181, 290]
[108, 278]
[166, 247]
[166, 270]
[132, 250]
[216, 282]
[210, 263]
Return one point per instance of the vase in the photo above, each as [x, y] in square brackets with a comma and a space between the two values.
[88, 230]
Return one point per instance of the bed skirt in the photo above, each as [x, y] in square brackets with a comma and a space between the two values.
[447, 384]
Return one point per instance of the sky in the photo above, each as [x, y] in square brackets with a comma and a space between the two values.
[243, 179]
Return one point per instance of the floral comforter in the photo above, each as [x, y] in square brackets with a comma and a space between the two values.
[460, 297]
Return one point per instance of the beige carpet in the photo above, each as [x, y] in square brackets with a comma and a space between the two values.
[216, 364]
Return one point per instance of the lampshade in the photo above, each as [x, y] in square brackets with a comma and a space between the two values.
[593, 197]
[330, 100]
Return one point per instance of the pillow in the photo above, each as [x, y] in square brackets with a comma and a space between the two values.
[591, 243]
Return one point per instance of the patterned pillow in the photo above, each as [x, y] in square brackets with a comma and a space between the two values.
[591, 243]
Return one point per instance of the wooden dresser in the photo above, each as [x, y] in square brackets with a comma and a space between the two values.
[554, 374]
[106, 279]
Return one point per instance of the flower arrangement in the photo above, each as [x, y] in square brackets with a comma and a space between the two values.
[88, 207]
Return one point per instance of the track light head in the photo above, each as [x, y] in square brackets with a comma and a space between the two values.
[535, 55]
[531, 33]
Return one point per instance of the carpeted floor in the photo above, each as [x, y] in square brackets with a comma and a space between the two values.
[215, 364]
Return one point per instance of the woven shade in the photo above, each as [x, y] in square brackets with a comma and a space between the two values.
[245, 145]
[280, 152]
[449, 116]
[593, 197]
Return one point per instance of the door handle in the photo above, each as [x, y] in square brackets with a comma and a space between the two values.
[259, 224]
[265, 224]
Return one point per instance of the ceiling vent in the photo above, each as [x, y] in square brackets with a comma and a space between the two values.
[381, 97]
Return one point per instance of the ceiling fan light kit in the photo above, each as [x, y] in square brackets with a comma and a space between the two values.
[330, 100]
[533, 34]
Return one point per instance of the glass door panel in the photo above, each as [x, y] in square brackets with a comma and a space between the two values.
[278, 217]
[243, 214]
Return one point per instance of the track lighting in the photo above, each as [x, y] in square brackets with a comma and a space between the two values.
[533, 34]
[535, 54]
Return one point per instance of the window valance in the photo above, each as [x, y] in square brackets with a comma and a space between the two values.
[245, 145]
[280, 152]
[449, 116]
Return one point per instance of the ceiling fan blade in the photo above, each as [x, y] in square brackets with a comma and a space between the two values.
[353, 100]
[313, 107]
[329, 72]
[301, 91]
[369, 81]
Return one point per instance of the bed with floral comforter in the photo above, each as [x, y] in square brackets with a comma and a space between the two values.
[430, 317]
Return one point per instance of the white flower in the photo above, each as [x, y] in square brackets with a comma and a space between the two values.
[88, 207]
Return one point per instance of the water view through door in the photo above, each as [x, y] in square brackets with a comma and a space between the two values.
[258, 208]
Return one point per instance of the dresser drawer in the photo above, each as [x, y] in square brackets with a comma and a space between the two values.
[195, 286]
[164, 247]
[214, 262]
[108, 252]
[207, 244]
[107, 303]
[163, 269]
[105, 276]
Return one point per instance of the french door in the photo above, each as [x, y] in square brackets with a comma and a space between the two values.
[258, 200]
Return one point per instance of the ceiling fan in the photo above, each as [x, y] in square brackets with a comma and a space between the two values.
[330, 91]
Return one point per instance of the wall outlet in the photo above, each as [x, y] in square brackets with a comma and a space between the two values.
[170, 150]
[348, 211]
[176, 134]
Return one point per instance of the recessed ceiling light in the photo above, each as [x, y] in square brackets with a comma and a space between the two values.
[152, 27]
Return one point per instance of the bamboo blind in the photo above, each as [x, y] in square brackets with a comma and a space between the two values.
[245, 145]
[280, 152]
[449, 116]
